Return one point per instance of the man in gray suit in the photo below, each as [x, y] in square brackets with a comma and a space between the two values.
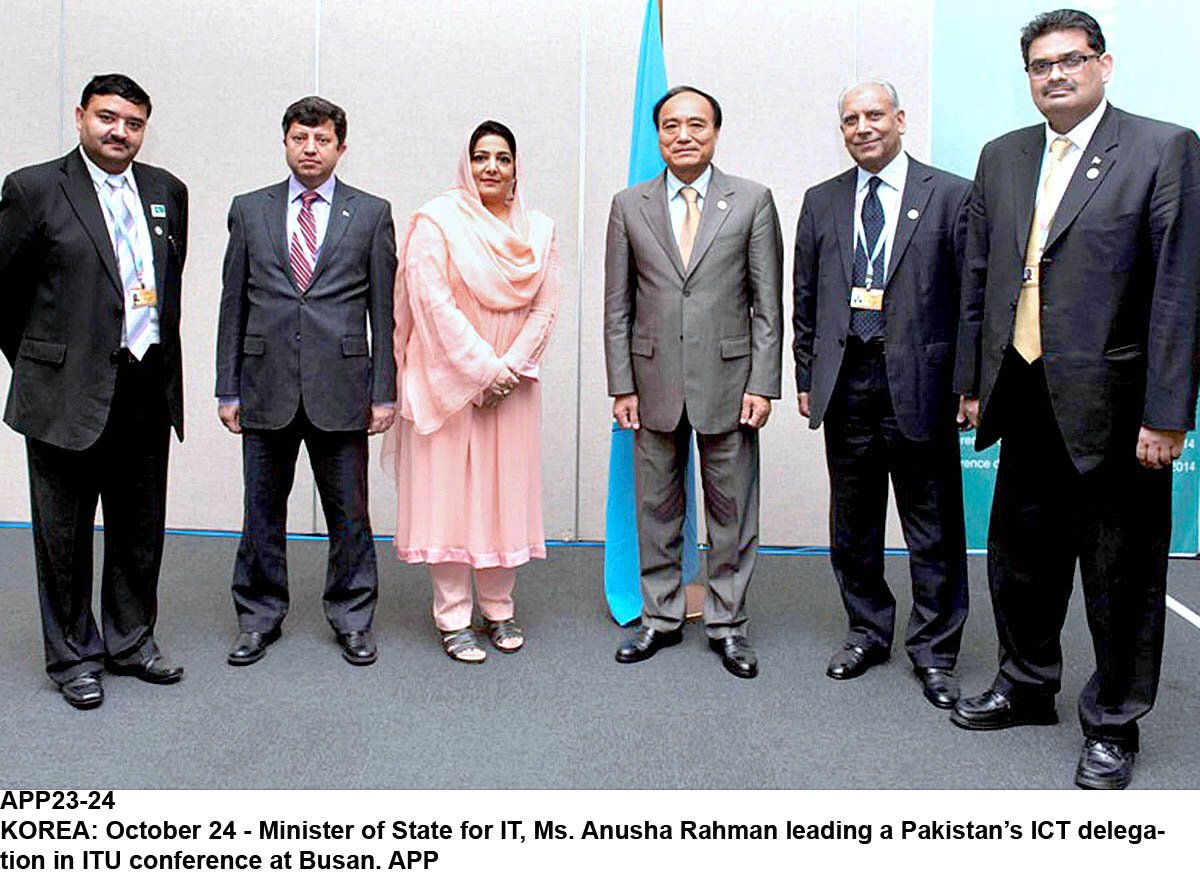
[692, 316]
[309, 261]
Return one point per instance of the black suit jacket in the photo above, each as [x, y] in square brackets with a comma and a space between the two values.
[920, 299]
[62, 300]
[277, 344]
[1120, 283]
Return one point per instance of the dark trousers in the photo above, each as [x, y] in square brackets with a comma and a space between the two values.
[339, 463]
[126, 470]
[863, 445]
[1116, 520]
[729, 475]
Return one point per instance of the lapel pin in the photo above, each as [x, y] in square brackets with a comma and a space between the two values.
[1095, 159]
[913, 213]
[1092, 173]
[158, 229]
[721, 205]
[346, 213]
[158, 211]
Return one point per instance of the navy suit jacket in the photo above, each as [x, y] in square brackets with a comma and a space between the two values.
[920, 301]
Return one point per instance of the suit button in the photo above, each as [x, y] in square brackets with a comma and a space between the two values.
[114, 356]
[680, 337]
[686, 293]
[297, 336]
[303, 301]
[1013, 306]
[841, 342]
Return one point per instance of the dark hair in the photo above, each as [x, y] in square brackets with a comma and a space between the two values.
[680, 89]
[491, 126]
[120, 85]
[313, 111]
[1062, 19]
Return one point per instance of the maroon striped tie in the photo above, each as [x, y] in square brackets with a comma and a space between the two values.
[304, 242]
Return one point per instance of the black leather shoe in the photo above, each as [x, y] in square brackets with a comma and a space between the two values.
[358, 647]
[851, 661]
[645, 642]
[993, 710]
[737, 655]
[940, 686]
[158, 670]
[1104, 765]
[251, 645]
[84, 692]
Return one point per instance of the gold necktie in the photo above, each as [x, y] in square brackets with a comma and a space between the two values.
[691, 222]
[1027, 331]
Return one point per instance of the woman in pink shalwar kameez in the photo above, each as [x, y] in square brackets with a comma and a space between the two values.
[476, 294]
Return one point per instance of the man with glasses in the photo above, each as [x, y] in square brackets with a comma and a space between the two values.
[1077, 346]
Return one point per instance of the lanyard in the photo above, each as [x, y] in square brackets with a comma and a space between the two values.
[119, 232]
[860, 237]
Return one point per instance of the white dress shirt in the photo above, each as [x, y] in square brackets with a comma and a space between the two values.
[1080, 136]
[677, 204]
[320, 210]
[145, 251]
[890, 191]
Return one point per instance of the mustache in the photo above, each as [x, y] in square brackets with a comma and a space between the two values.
[122, 141]
[1057, 84]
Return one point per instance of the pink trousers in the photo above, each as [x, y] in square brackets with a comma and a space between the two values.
[452, 594]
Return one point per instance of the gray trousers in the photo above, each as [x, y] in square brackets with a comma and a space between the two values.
[729, 474]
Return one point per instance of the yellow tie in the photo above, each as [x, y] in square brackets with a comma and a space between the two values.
[691, 222]
[1027, 332]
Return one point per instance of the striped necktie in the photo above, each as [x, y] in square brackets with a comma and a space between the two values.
[303, 247]
[129, 265]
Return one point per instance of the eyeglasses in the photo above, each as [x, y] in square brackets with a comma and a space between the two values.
[1071, 63]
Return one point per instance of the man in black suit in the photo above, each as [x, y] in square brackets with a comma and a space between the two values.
[1078, 347]
[309, 262]
[91, 251]
[876, 313]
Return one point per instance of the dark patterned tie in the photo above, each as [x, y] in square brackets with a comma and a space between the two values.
[869, 324]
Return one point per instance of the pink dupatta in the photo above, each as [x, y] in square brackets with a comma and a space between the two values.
[443, 363]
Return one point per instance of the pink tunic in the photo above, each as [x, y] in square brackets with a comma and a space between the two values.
[468, 478]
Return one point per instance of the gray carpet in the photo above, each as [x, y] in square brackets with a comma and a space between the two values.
[560, 714]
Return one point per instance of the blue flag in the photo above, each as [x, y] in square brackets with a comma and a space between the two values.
[622, 572]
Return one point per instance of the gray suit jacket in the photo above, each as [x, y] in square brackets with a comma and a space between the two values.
[699, 337]
[277, 344]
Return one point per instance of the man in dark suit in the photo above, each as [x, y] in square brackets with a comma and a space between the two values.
[91, 251]
[877, 274]
[310, 261]
[692, 341]
[1078, 347]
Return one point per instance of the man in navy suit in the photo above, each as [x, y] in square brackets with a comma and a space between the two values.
[1078, 346]
[310, 263]
[876, 313]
